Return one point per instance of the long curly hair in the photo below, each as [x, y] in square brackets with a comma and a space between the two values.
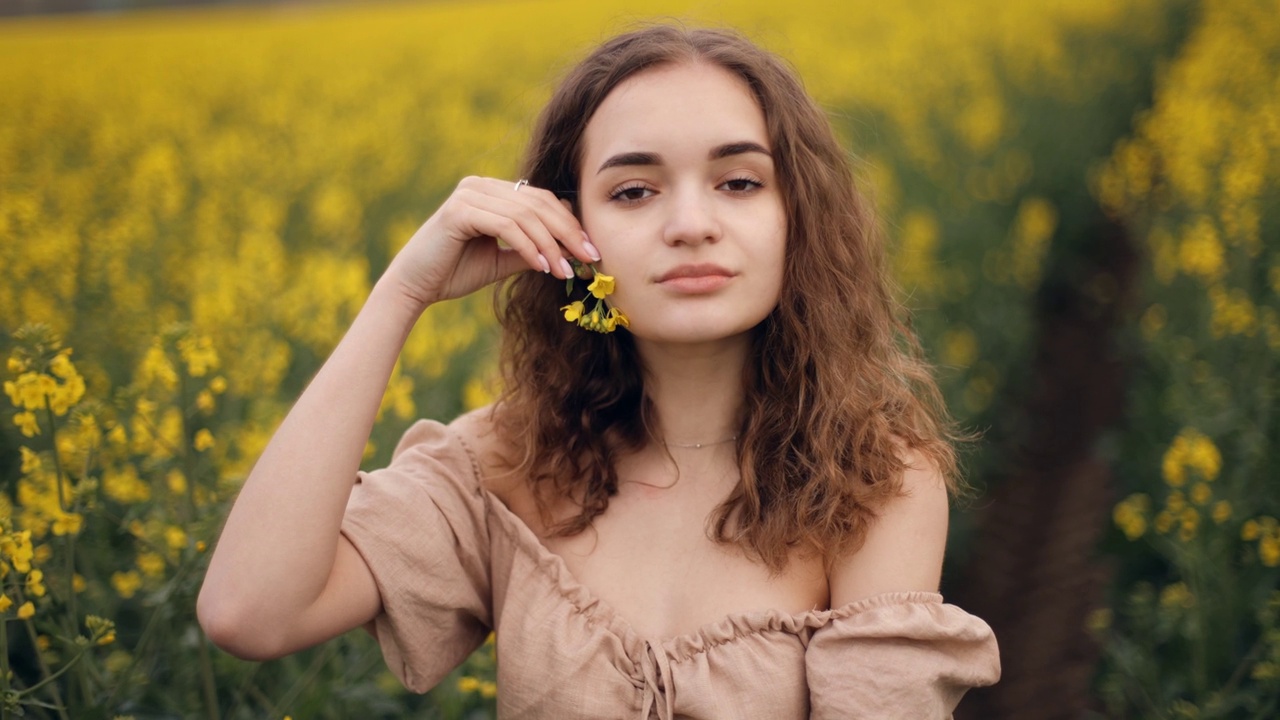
[836, 389]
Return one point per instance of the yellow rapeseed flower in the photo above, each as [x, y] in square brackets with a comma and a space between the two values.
[614, 319]
[176, 481]
[35, 584]
[1200, 493]
[1130, 515]
[1249, 531]
[156, 368]
[468, 684]
[1221, 511]
[126, 584]
[61, 366]
[1269, 550]
[1176, 595]
[1201, 253]
[573, 310]
[1193, 450]
[5, 603]
[27, 610]
[199, 355]
[101, 630]
[67, 523]
[204, 401]
[151, 564]
[203, 440]
[175, 537]
[26, 422]
[30, 461]
[601, 286]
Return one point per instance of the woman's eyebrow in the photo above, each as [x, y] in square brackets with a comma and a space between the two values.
[738, 148]
[631, 158]
[717, 153]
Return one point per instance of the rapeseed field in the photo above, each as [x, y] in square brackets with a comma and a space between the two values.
[195, 203]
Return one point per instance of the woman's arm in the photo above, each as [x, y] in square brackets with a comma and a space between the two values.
[282, 578]
[904, 546]
[894, 649]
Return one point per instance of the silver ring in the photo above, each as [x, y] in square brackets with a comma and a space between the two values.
[521, 183]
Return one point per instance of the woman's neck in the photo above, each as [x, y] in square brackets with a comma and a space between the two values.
[696, 389]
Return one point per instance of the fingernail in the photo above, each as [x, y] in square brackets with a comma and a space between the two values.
[546, 266]
[591, 249]
[568, 269]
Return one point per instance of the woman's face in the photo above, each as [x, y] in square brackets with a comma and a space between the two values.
[677, 176]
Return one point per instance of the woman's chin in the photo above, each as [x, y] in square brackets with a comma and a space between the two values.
[695, 331]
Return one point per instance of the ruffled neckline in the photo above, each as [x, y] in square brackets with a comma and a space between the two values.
[732, 627]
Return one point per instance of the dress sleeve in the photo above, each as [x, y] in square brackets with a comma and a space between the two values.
[898, 655]
[420, 525]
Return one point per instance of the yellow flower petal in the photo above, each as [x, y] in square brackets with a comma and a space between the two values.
[601, 286]
[573, 311]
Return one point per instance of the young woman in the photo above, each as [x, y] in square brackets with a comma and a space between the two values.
[718, 491]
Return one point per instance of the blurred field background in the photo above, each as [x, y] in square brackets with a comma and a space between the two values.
[1081, 198]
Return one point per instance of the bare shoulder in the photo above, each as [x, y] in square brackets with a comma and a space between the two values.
[495, 456]
[905, 545]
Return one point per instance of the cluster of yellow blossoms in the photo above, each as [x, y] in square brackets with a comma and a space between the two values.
[1266, 532]
[56, 390]
[18, 555]
[1190, 451]
[602, 317]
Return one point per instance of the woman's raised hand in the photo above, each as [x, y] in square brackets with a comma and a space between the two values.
[456, 251]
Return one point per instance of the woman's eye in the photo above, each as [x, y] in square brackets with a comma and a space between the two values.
[631, 193]
[742, 185]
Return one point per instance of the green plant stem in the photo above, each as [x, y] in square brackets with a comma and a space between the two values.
[1245, 663]
[308, 675]
[188, 464]
[57, 460]
[206, 680]
[45, 672]
[4, 665]
[153, 622]
[70, 663]
[61, 478]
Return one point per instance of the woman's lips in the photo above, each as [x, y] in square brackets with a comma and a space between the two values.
[696, 278]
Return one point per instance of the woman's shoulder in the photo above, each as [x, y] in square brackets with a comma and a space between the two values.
[494, 454]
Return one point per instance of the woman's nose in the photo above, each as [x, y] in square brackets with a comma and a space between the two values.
[692, 217]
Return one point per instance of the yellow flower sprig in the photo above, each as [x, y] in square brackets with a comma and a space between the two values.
[603, 317]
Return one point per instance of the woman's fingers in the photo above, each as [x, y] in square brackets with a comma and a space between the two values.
[454, 252]
[546, 231]
[485, 222]
[538, 209]
[564, 224]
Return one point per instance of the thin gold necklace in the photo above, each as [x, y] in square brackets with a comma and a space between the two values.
[700, 445]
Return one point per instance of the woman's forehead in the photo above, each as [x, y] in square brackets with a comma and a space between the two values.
[674, 109]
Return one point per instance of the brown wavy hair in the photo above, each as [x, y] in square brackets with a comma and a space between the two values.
[836, 386]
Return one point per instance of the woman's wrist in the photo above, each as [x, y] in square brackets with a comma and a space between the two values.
[390, 300]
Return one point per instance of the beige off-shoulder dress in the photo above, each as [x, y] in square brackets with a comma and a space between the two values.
[452, 562]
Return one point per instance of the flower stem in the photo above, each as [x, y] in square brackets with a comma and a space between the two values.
[4, 665]
[44, 672]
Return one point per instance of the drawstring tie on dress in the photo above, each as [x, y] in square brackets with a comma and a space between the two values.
[657, 677]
